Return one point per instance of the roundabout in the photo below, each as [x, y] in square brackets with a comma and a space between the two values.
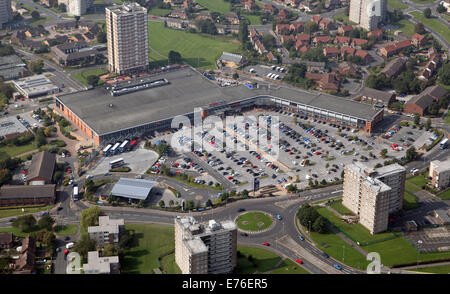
[254, 222]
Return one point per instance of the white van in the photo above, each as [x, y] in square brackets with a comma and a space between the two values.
[69, 245]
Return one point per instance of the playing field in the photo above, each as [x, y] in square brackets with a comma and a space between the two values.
[198, 50]
[215, 5]
[395, 4]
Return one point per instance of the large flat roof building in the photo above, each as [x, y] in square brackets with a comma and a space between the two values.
[106, 118]
[136, 189]
[5, 12]
[205, 248]
[20, 195]
[101, 265]
[12, 67]
[374, 194]
[10, 126]
[127, 37]
[108, 231]
[34, 86]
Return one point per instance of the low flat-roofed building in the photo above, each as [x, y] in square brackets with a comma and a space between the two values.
[375, 96]
[440, 173]
[231, 60]
[101, 265]
[10, 127]
[133, 189]
[41, 168]
[107, 232]
[34, 86]
[12, 67]
[19, 195]
[442, 216]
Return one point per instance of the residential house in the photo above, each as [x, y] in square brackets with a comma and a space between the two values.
[283, 14]
[77, 37]
[304, 39]
[325, 24]
[282, 29]
[421, 102]
[178, 13]
[30, 45]
[377, 96]
[302, 49]
[430, 68]
[296, 27]
[331, 52]
[271, 58]
[232, 18]
[358, 43]
[378, 34]
[6, 240]
[418, 40]
[394, 48]
[250, 5]
[347, 51]
[313, 76]
[37, 31]
[175, 23]
[58, 39]
[73, 53]
[316, 18]
[259, 46]
[269, 8]
[20, 195]
[342, 40]
[187, 4]
[204, 15]
[321, 40]
[26, 262]
[347, 69]
[365, 56]
[41, 169]
[329, 82]
[395, 67]
[345, 30]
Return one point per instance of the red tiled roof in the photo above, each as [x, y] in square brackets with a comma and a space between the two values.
[348, 50]
[322, 39]
[342, 39]
[359, 42]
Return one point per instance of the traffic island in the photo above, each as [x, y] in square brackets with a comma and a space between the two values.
[254, 222]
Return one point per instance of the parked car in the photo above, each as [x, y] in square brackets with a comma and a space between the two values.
[301, 238]
[337, 266]
[266, 243]
[298, 260]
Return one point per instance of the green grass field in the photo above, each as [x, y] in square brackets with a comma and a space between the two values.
[399, 251]
[406, 27]
[9, 212]
[159, 11]
[419, 180]
[342, 18]
[249, 221]
[409, 201]
[356, 231]
[424, 1]
[151, 242]
[289, 267]
[395, 4]
[198, 50]
[447, 117]
[254, 19]
[434, 24]
[13, 151]
[15, 231]
[444, 195]
[264, 261]
[215, 5]
[337, 248]
[66, 230]
[441, 269]
[337, 205]
[82, 76]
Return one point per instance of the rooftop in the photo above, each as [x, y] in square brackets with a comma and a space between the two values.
[133, 188]
[11, 125]
[34, 85]
[187, 89]
[27, 191]
[99, 265]
[42, 165]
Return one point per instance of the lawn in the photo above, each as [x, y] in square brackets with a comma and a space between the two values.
[264, 260]
[424, 1]
[409, 201]
[152, 241]
[66, 230]
[13, 151]
[342, 18]
[9, 212]
[356, 231]
[200, 51]
[434, 24]
[395, 4]
[254, 221]
[82, 76]
[419, 180]
[159, 11]
[444, 195]
[337, 205]
[337, 248]
[447, 117]
[289, 267]
[215, 5]
[15, 231]
[399, 251]
[254, 19]
[405, 26]
[440, 269]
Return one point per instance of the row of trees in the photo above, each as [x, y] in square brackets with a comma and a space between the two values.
[310, 218]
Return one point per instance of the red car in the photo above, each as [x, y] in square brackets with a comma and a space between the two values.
[153, 16]
[318, 153]
[66, 252]
[299, 261]
[266, 244]
[230, 177]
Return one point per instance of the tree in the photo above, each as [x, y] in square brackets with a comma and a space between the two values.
[208, 203]
[101, 37]
[310, 27]
[89, 217]
[24, 223]
[444, 73]
[320, 225]
[46, 222]
[384, 153]
[171, 203]
[84, 245]
[37, 66]
[411, 154]
[245, 193]
[93, 80]
[174, 57]
[428, 124]
[35, 14]
[427, 12]
[235, 76]
[419, 28]
[416, 118]
[441, 8]
[62, 7]
[161, 204]
[433, 109]
[243, 32]
[109, 250]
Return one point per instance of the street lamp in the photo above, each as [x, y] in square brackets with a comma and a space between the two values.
[418, 251]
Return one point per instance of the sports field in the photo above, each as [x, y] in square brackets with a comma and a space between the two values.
[215, 5]
[198, 50]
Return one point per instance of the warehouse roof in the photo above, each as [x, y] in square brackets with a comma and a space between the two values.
[42, 166]
[187, 89]
[133, 188]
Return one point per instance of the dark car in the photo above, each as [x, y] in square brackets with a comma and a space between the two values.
[325, 255]
[241, 209]
[244, 234]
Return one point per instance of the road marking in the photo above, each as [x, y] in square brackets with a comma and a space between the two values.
[335, 192]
